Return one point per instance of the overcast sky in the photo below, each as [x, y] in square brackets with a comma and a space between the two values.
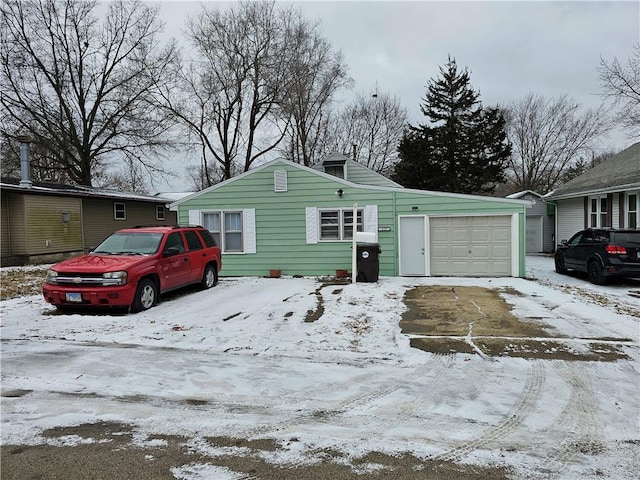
[511, 48]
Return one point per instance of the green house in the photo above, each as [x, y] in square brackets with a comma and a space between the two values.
[285, 216]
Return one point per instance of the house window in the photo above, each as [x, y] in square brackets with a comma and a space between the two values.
[226, 228]
[598, 212]
[160, 212]
[335, 170]
[336, 225]
[119, 211]
[632, 210]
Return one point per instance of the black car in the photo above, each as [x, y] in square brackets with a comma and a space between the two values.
[601, 253]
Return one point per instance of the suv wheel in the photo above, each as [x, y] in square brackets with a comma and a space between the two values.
[560, 268]
[146, 295]
[210, 277]
[594, 270]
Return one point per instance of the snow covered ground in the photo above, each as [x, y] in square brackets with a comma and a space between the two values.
[239, 360]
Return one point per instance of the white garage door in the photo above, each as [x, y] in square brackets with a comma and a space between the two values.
[470, 246]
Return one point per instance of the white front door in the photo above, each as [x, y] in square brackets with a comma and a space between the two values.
[412, 240]
[534, 233]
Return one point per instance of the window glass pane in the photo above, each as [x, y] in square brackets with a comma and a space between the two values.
[209, 240]
[160, 212]
[119, 211]
[594, 220]
[632, 203]
[330, 225]
[192, 240]
[233, 242]
[211, 222]
[594, 205]
[175, 240]
[348, 223]
[232, 221]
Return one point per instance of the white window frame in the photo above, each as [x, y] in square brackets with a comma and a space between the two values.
[598, 213]
[160, 213]
[342, 237]
[627, 206]
[122, 211]
[220, 236]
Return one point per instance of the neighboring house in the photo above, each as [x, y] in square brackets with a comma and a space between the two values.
[45, 222]
[282, 215]
[540, 222]
[607, 195]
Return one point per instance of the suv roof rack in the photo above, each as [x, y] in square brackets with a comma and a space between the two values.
[166, 226]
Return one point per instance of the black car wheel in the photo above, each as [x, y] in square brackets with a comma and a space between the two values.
[560, 268]
[146, 295]
[210, 277]
[595, 272]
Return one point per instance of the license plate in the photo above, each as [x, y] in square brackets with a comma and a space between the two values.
[74, 297]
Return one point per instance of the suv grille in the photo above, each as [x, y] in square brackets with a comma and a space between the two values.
[84, 279]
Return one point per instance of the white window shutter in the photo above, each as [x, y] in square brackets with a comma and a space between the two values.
[371, 219]
[280, 181]
[194, 217]
[312, 225]
[249, 229]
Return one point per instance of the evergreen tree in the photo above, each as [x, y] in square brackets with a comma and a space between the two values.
[464, 148]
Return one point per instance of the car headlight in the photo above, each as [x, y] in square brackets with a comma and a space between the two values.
[52, 277]
[115, 278]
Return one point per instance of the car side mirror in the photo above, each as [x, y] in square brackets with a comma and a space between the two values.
[171, 251]
[564, 242]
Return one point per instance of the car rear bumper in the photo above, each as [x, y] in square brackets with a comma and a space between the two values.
[62, 295]
[620, 269]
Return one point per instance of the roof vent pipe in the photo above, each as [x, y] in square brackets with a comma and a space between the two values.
[25, 176]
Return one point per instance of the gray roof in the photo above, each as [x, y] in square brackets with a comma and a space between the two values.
[618, 173]
[60, 189]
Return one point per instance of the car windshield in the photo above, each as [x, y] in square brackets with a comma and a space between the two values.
[130, 243]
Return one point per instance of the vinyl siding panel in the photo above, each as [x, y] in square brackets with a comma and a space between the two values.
[280, 222]
[358, 173]
[13, 225]
[281, 228]
[99, 221]
[45, 229]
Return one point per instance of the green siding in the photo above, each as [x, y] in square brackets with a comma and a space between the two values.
[280, 219]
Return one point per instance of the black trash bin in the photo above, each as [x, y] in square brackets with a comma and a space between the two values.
[368, 262]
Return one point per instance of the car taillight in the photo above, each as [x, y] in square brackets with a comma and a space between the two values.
[615, 250]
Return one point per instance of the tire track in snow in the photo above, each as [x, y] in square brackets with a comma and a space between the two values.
[361, 401]
[578, 420]
[511, 422]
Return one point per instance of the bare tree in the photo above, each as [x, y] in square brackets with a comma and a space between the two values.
[548, 136]
[370, 129]
[621, 85]
[81, 87]
[318, 73]
[230, 90]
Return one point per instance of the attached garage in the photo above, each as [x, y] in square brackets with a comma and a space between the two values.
[478, 245]
[303, 220]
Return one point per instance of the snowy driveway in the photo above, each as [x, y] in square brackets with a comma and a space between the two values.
[244, 360]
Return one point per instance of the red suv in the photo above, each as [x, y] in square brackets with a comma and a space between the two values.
[133, 266]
